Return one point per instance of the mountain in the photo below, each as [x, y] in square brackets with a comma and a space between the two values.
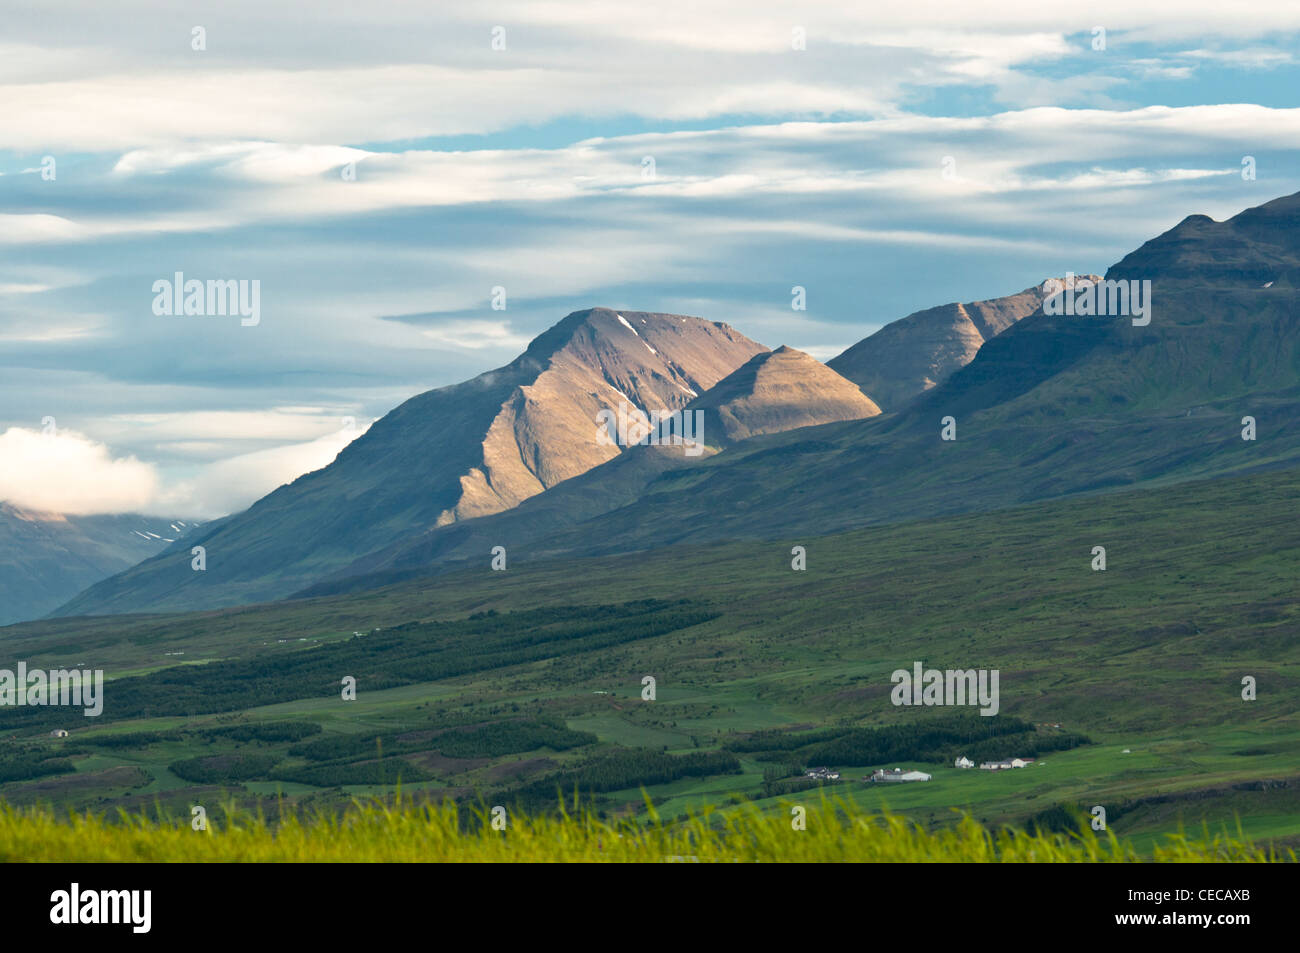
[776, 391]
[1053, 406]
[913, 354]
[1056, 405]
[47, 558]
[447, 455]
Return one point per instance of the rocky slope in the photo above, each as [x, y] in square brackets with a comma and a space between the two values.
[776, 391]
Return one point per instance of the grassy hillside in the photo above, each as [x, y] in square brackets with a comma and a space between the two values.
[1143, 660]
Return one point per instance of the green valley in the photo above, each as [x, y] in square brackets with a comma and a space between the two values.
[511, 687]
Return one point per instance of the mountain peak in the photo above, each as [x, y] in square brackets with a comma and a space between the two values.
[1258, 246]
[777, 391]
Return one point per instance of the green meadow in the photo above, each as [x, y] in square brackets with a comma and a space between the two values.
[516, 688]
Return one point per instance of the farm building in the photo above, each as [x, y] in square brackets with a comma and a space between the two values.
[964, 762]
[898, 774]
[1006, 764]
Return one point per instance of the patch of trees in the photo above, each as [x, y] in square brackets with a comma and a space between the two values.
[624, 768]
[935, 740]
[1060, 819]
[403, 655]
[334, 747]
[225, 768]
[264, 731]
[387, 771]
[255, 731]
[786, 787]
[508, 737]
[1028, 745]
[775, 740]
[482, 740]
[28, 763]
[133, 739]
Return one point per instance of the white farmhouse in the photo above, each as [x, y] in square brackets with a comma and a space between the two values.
[822, 774]
[898, 774]
[964, 762]
[1005, 764]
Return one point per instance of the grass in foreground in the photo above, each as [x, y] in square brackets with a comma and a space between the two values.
[373, 831]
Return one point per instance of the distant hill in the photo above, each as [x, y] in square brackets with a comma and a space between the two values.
[909, 356]
[47, 558]
[776, 391]
[447, 455]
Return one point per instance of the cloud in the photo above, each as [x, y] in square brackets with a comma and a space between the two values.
[136, 82]
[1256, 58]
[67, 472]
[280, 424]
[475, 335]
[227, 186]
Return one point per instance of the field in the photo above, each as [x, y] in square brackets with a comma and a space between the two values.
[508, 687]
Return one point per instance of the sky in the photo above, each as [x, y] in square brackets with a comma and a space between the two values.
[379, 169]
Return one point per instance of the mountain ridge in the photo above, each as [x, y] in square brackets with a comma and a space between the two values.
[1052, 406]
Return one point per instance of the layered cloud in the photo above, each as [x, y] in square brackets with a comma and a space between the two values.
[74, 80]
[914, 159]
